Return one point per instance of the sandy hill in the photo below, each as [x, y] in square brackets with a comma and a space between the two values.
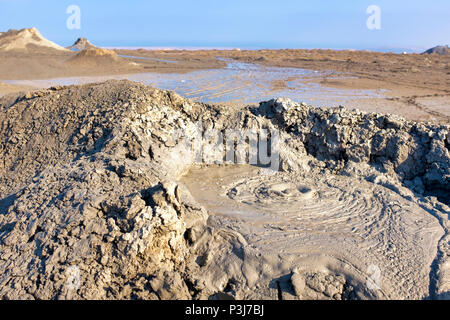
[96, 56]
[438, 50]
[27, 40]
[81, 44]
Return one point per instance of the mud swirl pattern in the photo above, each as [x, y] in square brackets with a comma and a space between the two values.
[336, 218]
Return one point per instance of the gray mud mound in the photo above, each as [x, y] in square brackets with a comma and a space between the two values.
[99, 200]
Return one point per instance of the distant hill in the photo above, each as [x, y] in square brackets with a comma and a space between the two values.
[81, 44]
[438, 50]
[29, 40]
[96, 56]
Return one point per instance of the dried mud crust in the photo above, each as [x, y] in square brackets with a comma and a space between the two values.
[89, 179]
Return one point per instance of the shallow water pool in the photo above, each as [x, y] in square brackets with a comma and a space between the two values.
[239, 83]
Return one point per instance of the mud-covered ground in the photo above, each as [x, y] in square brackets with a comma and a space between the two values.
[99, 199]
[414, 86]
[418, 86]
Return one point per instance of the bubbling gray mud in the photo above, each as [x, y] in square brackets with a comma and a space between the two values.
[346, 224]
[353, 193]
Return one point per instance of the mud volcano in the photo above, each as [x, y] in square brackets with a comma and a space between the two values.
[100, 200]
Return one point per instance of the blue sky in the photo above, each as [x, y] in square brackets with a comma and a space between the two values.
[413, 24]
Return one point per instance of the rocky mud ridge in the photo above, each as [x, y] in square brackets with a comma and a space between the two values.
[92, 205]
